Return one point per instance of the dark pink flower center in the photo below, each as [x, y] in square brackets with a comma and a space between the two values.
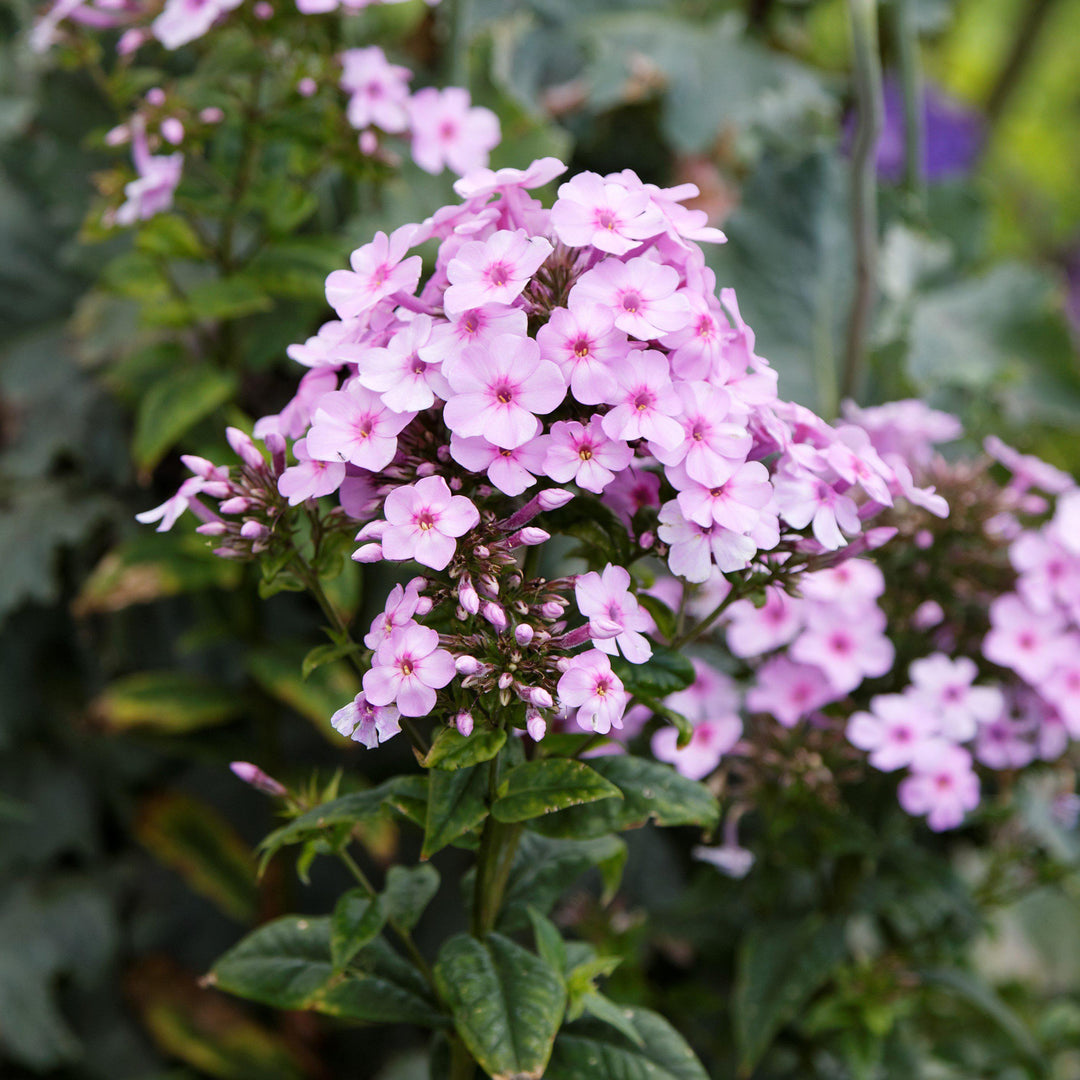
[498, 274]
[631, 302]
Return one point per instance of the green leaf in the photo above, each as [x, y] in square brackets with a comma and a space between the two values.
[216, 300]
[665, 672]
[318, 697]
[326, 654]
[165, 702]
[173, 406]
[662, 615]
[357, 920]
[409, 798]
[619, 1017]
[170, 236]
[591, 1049]
[456, 804]
[409, 890]
[507, 1003]
[452, 750]
[542, 787]
[549, 942]
[779, 968]
[651, 792]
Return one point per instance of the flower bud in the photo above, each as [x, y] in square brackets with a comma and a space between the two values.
[212, 115]
[263, 10]
[253, 530]
[505, 679]
[424, 605]
[426, 468]
[244, 448]
[216, 489]
[236, 505]
[130, 40]
[553, 498]
[253, 775]
[155, 96]
[307, 86]
[552, 609]
[172, 131]
[117, 136]
[373, 530]
[495, 615]
[464, 723]
[212, 528]
[647, 539]
[489, 584]
[529, 537]
[467, 665]
[468, 597]
[535, 725]
[523, 633]
[368, 553]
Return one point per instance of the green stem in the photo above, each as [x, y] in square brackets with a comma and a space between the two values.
[1023, 47]
[462, 1065]
[911, 82]
[403, 935]
[699, 628]
[868, 94]
[498, 843]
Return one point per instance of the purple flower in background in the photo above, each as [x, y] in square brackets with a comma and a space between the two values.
[954, 134]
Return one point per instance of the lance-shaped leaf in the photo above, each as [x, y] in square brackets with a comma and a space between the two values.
[507, 1003]
[357, 920]
[452, 750]
[409, 889]
[589, 1049]
[651, 792]
[166, 703]
[542, 787]
[665, 672]
[455, 805]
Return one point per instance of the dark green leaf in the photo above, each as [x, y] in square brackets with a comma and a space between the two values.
[507, 1003]
[651, 792]
[326, 654]
[409, 890]
[357, 920]
[665, 672]
[779, 967]
[541, 787]
[594, 1049]
[170, 236]
[166, 702]
[452, 750]
[619, 1017]
[549, 942]
[662, 615]
[456, 804]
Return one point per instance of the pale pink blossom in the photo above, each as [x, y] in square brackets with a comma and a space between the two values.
[402, 604]
[425, 519]
[894, 729]
[736, 502]
[408, 668]
[642, 295]
[354, 425]
[405, 381]
[615, 619]
[152, 191]
[713, 443]
[694, 548]
[645, 402]
[308, 478]
[378, 90]
[588, 349]
[590, 686]
[753, 630]
[804, 499]
[941, 785]
[449, 339]
[943, 686]
[584, 454]
[709, 741]
[607, 216]
[493, 271]
[448, 132]
[1029, 642]
[789, 691]
[365, 723]
[510, 470]
[379, 270]
[182, 21]
[848, 650]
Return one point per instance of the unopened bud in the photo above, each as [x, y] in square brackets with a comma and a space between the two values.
[172, 131]
[263, 10]
[212, 115]
[468, 597]
[217, 489]
[553, 498]
[236, 505]
[244, 448]
[155, 96]
[551, 610]
[530, 536]
[373, 530]
[464, 723]
[495, 615]
[424, 605]
[646, 539]
[212, 528]
[253, 775]
[368, 553]
[505, 679]
[523, 633]
[535, 725]
[467, 665]
[426, 468]
[539, 697]
[482, 551]
[489, 584]
[253, 530]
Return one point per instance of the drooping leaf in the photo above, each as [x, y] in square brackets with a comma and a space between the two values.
[507, 1003]
[651, 792]
[165, 702]
[589, 1049]
[456, 804]
[779, 967]
[540, 787]
[452, 750]
[358, 919]
[409, 890]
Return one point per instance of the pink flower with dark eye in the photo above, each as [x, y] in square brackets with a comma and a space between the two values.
[354, 425]
[379, 270]
[789, 691]
[511, 471]
[590, 686]
[713, 443]
[803, 498]
[847, 649]
[1028, 642]
[365, 723]
[401, 605]
[408, 668]
[308, 478]
[493, 271]
[447, 131]
[709, 741]
[697, 351]
[645, 402]
[753, 630]
[425, 519]
[378, 90]
[498, 389]
[615, 619]
[584, 343]
[694, 548]
[584, 454]
[642, 295]
[1005, 743]
[449, 340]
[609, 217]
[942, 785]
[892, 731]
[403, 379]
[943, 686]
[736, 503]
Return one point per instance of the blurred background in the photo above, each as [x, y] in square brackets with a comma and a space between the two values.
[134, 667]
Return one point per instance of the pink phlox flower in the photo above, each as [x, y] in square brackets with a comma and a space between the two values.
[170, 510]
[710, 694]
[590, 686]
[1049, 572]
[632, 490]
[905, 486]
[853, 583]
[847, 649]
[510, 470]
[1061, 688]
[908, 429]
[615, 618]
[854, 459]
[399, 373]
[425, 519]
[645, 402]
[752, 630]
[943, 686]
[582, 453]
[1028, 471]
[482, 183]
[698, 350]
[401, 605]
[449, 339]
[296, 417]
[308, 478]
[354, 425]
[642, 295]
[182, 21]
[789, 691]
[694, 547]
[1065, 526]
[736, 503]
[710, 740]
[379, 270]
[365, 723]
[607, 216]
[1029, 642]
[378, 90]
[493, 271]
[322, 349]
[584, 343]
[681, 223]
[408, 668]
[714, 442]
[159, 175]
[941, 785]
[448, 132]
[893, 731]
[498, 388]
[804, 499]
[1005, 743]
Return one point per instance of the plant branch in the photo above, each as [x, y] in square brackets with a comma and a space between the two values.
[912, 89]
[1023, 47]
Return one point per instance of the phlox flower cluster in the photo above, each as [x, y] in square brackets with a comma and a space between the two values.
[558, 366]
